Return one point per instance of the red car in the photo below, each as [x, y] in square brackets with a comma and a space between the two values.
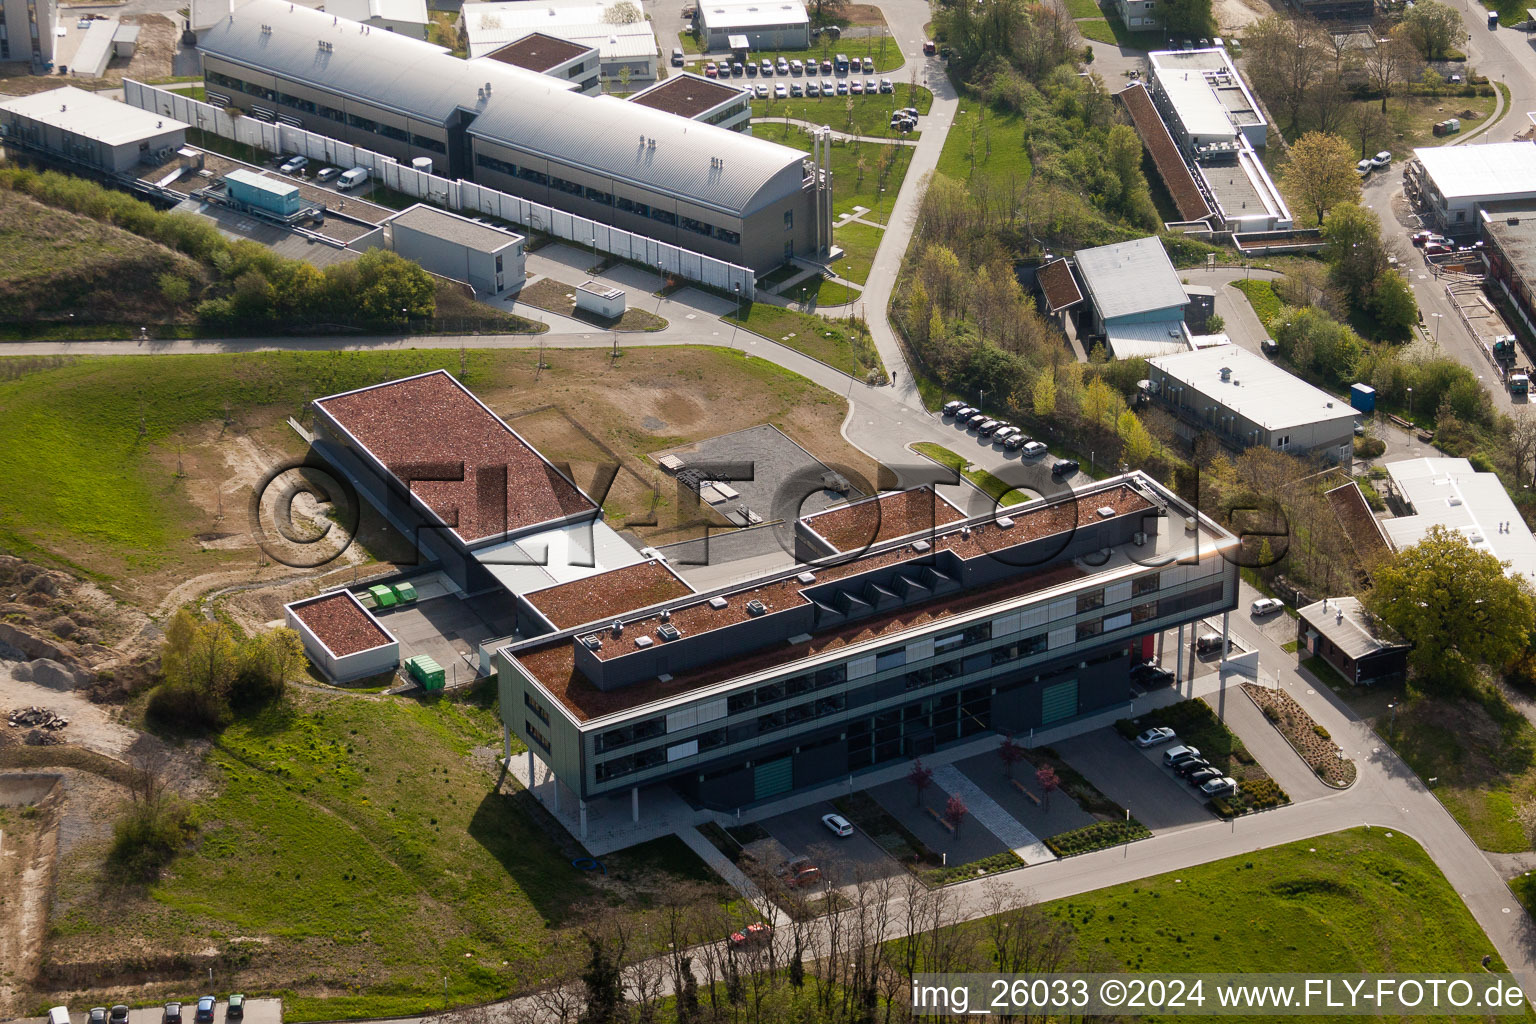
[800, 873]
[1418, 238]
[755, 934]
[930, 48]
[1435, 249]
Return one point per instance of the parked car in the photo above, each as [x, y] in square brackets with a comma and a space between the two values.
[58, 1015]
[98, 1015]
[119, 1015]
[1201, 776]
[886, 85]
[755, 934]
[677, 56]
[1418, 238]
[1224, 786]
[1267, 605]
[294, 164]
[797, 67]
[964, 413]
[930, 48]
[871, 87]
[738, 69]
[781, 91]
[839, 825]
[1184, 769]
[811, 67]
[1016, 441]
[1066, 467]
[1151, 675]
[1269, 346]
[326, 174]
[812, 89]
[751, 69]
[1363, 168]
[1436, 249]
[796, 89]
[987, 427]
[1003, 433]
[909, 111]
[856, 87]
[782, 67]
[869, 65]
[204, 1013]
[1033, 449]
[1157, 736]
[842, 87]
[1382, 159]
[350, 179]
[826, 67]
[950, 408]
[234, 1008]
[1175, 755]
[800, 873]
[710, 71]
[171, 1014]
[767, 66]
[841, 63]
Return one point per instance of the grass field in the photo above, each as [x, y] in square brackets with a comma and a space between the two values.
[839, 345]
[1083, 9]
[1351, 901]
[869, 115]
[985, 146]
[364, 850]
[856, 169]
[1482, 755]
[1097, 29]
[1261, 296]
[821, 291]
[859, 242]
[998, 490]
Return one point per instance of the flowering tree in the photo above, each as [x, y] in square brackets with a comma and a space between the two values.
[1010, 753]
[955, 812]
[921, 777]
[1049, 782]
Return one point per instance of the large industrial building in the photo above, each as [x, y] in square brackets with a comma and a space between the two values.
[89, 130]
[408, 17]
[1450, 493]
[1246, 401]
[1136, 301]
[697, 186]
[1452, 183]
[28, 29]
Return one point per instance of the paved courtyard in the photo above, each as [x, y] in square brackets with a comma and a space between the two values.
[1062, 815]
[973, 840]
[802, 834]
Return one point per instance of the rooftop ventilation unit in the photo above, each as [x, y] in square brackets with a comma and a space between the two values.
[717, 603]
[592, 643]
[666, 615]
[806, 577]
[617, 627]
[1226, 373]
[667, 631]
[1106, 511]
[1004, 522]
[643, 641]
[965, 531]
[1189, 524]
[921, 545]
[756, 607]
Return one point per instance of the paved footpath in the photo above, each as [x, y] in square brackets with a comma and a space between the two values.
[992, 816]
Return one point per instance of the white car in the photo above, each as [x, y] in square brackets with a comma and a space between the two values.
[1153, 737]
[761, 91]
[1363, 168]
[1224, 786]
[839, 825]
[781, 91]
[1382, 159]
[294, 164]
[1033, 450]
[1267, 605]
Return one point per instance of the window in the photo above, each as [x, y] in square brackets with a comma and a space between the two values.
[947, 641]
[1283, 441]
[424, 142]
[728, 236]
[498, 264]
[696, 226]
[712, 739]
[568, 187]
[330, 113]
[616, 768]
[739, 702]
[1148, 584]
[535, 735]
[789, 220]
[890, 659]
[536, 708]
[630, 206]
[770, 693]
[1091, 601]
[832, 674]
[490, 163]
[613, 739]
[978, 632]
[1144, 612]
[599, 196]
[1091, 628]
[664, 216]
[529, 174]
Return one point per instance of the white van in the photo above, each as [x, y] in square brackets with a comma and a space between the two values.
[353, 178]
[58, 1015]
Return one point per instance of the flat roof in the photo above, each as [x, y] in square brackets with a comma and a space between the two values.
[539, 51]
[488, 25]
[1259, 391]
[687, 95]
[1481, 169]
[560, 554]
[1058, 285]
[1196, 105]
[552, 663]
[883, 517]
[1243, 190]
[340, 622]
[454, 228]
[1450, 493]
[1143, 341]
[409, 11]
[1165, 153]
[262, 182]
[91, 116]
[601, 597]
[1185, 74]
[1512, 226]
[430, 426]
[1349, 627]
[750, 14]
[1132, 277]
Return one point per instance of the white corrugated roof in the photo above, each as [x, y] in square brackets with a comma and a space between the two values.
[413, 11]
[1259, 391]
[1505, 169]
[1450, 493]
[1143, 341]
[1129, 278]
[560, 555]
[91, 116]
[1196, 103]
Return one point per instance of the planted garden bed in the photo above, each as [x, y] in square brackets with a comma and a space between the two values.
[1310, 740]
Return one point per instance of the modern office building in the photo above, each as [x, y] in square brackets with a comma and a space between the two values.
[560, 59]
[1188, 195]
[408, 17]
[627, 49]
[1452, 183]
[697, 186]
[1246, 401]
[341, 637]
[1138, 15]
[906, 627]
[764, 24]
[28, 31]
[90, 130]
[693, 96]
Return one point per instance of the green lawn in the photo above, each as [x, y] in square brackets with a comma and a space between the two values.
[1097, 29]
[834, 342]
[1084, 9]
[1108, 29]
[869, 115]
[1261, 296]
[365, 854]
[859, 242]
[985, 145]
[1524, 888]
[998, 490]
[821, 291]
[1360, 900]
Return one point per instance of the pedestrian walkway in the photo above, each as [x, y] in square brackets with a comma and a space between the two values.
[992, 816]
[721, 865]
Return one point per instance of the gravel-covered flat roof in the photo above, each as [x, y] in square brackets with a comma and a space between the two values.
[431, 426]
[342, 624]
[884, 517]
[605, 595]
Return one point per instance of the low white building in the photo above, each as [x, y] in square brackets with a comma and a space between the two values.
[560, 59]
[1138, 14]
[89, 129]
[408, 17]
[601, 300]
[342, 638]
[486, 258]
[763, 24]
[623, 45]
[1450, 493]
[1453, 182]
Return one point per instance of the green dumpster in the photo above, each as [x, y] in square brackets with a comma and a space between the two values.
[405, 592]
[384, 596]
[426, 671]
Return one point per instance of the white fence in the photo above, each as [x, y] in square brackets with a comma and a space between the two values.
[454, 195]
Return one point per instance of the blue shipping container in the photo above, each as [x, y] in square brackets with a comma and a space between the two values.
[1363, 397]
[262, 192]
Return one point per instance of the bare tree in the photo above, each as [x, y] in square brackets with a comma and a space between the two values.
[1522, 442]
[1388, 63]
[1285, 57]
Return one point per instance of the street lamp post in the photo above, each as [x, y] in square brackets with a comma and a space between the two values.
[1410, 403]
[848, 284]
[1392, 722]
[1438, 317]
[982, 401]
[737, 322]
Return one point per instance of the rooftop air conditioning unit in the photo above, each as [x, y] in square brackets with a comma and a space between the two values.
[921, 545]
[1138, 538]
[666, 615]
[806, 577]
[1106, 511]
[1004, 522]
[1189, 524]
[667, 631]
[756, 607]
[592, 643]
[643, 641]
[717, 603]
[965, 531]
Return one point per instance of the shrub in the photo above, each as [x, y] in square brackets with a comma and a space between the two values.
[184, 707]
[1272, 713]
[1097, 836]
[1321, 731]
[150, 835]
[1261, 794]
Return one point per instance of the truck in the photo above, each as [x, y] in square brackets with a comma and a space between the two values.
[1504, 348]
[1519, 381]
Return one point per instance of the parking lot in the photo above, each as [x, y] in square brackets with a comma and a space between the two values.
[1029, 472]
[257, 1011]
[1135, 779]
[803, 835]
